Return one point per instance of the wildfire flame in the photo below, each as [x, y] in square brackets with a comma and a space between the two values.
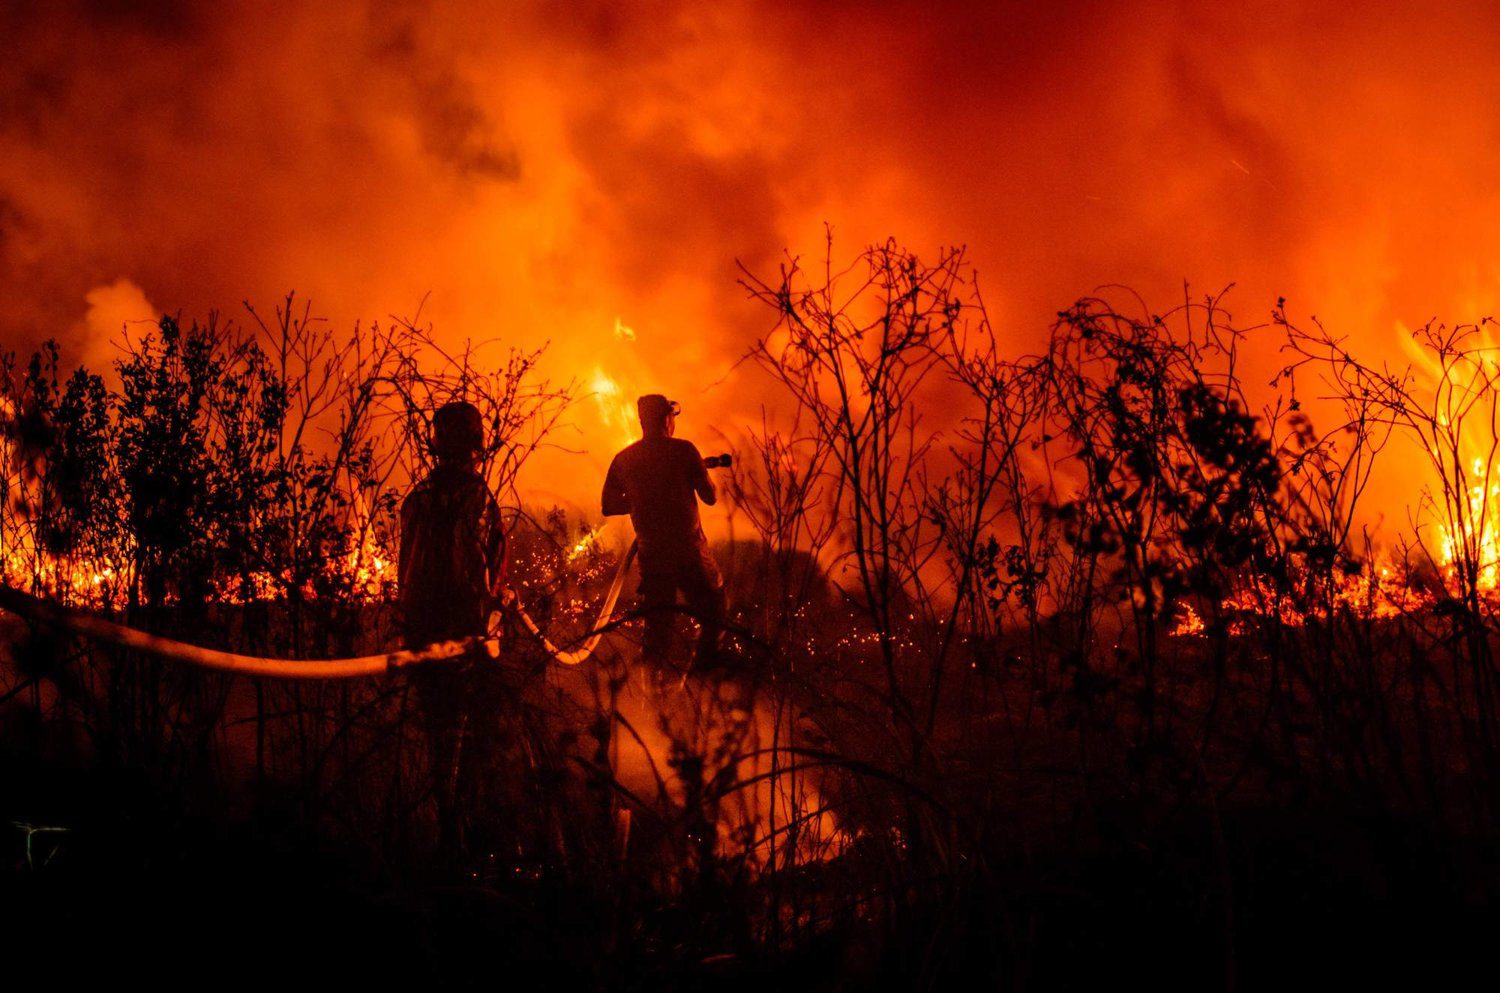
[1480, 527]
[366, 571]
[615, 409]
[589, 541]
[368, 564]
[1463, 383]
[1381, 590]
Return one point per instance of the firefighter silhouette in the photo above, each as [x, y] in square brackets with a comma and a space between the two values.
[658, 481]
[451, 567]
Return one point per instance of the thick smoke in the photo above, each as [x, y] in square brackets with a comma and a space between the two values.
[544, 171]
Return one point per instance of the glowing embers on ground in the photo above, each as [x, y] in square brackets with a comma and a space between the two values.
[63, 578]
[366, 573]
[1382, 589]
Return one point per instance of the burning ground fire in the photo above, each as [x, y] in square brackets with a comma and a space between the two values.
[1447, 401]
[1478, 526]
[1378, 591]
[1383, 588]
[1464, 444]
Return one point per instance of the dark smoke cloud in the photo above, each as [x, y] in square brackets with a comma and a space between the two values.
[544, 170]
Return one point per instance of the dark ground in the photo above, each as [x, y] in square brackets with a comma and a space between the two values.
[136, 889]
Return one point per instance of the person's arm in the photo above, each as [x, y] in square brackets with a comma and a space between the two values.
[702, 484]
[614, 501]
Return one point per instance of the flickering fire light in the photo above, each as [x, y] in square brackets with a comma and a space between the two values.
[1078, 589]
[616, 409]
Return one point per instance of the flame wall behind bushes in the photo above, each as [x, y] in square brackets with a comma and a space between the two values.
[240, 463]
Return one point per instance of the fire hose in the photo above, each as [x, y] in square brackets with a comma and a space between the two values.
[582, 653]
[109, 632]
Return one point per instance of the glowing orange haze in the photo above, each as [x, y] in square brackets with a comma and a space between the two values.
[551, 173]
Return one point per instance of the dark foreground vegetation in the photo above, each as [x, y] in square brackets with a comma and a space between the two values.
[1046, 671]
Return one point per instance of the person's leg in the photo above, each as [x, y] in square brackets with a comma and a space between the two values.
[706, 601]
[439, 696]
[658, 598]
[487, 705]
[442, 698]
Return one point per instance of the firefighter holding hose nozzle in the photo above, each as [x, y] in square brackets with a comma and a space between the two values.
[658, 481]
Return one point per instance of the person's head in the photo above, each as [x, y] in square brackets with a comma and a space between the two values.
[457, 432]
[658, 415]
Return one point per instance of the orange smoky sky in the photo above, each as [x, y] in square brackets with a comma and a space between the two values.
[544, 172]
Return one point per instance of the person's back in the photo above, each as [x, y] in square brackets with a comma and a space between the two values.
[659, 478]
[658, 481]
[451, 561]
[448, 527]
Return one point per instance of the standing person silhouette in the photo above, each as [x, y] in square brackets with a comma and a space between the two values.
[452, 560]
[658, 481]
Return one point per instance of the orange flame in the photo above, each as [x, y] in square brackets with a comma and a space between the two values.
[615, 409]
[1470, 521]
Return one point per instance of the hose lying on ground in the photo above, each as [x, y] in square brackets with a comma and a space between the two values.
[99, 629]
[109, 632]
